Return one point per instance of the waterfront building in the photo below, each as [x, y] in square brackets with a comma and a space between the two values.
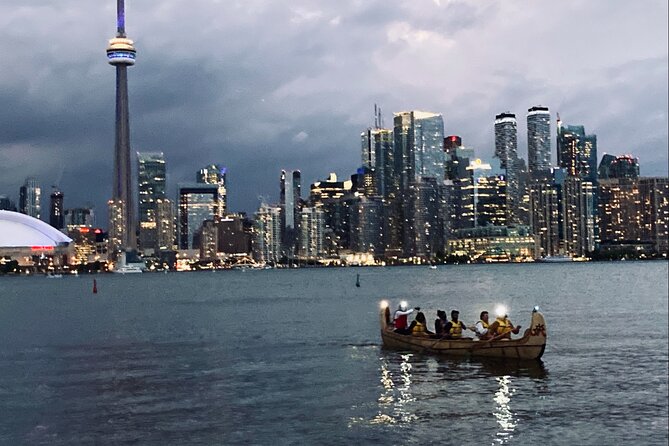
[332, 196]
[267, 243]
[623, 166]
[577, 216]
[216, 174]
[367, 225]
[538, 140]
[165, 225]
[56, 212]
[30, 198]
[198, 202]
[419, 160]
[493, 244]
[89, 245]
[310, 243]
[620, 213]
[544, 214]
[233, 237]
[654, 197]
[116, 235]
[121, 54]
[32, 242]
[151, 179]
[208, 236]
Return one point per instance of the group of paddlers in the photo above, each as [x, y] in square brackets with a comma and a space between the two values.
[501, 328]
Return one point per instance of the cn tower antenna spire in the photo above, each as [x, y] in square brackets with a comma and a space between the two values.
[120, 18]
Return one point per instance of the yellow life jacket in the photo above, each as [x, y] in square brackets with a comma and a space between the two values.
[456, 329]
[504, 326]
[419, 329]
[484, 323]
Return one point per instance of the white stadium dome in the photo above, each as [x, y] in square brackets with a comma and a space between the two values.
[20, 231]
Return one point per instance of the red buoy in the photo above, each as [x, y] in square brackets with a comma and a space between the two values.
[95, 287]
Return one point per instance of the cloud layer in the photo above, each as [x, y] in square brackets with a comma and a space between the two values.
[259, 86]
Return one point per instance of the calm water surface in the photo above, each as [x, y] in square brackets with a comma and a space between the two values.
[293, 357]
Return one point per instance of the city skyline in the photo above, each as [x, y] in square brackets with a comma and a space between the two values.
[277, 101]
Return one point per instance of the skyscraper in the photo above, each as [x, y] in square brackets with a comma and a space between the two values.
[538, 140]
[267, 246]
[151, 188]
[56, 211]
[506, 149]
[216, 174]
[419, 166]
[121, 54]
[30, 198]
[577, 152]
[197, 203]
[378, 157]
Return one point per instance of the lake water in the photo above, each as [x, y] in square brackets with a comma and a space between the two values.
[294, 357]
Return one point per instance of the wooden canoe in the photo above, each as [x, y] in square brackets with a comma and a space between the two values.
[530, 346]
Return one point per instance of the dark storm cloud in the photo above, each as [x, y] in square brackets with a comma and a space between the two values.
[259, 86]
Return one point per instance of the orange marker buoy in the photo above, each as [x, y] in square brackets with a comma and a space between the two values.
[95, 287]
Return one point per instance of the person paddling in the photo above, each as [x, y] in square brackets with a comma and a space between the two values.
[454, 327]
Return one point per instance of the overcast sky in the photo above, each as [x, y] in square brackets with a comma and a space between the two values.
[259, 85]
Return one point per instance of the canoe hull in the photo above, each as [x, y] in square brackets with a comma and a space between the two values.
[530, 346]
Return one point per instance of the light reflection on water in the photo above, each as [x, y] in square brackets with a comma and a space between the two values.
[505, 417]
[395, 400]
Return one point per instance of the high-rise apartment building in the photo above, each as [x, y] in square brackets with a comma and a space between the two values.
[577, 152]
[30, 198]
[578, 216]
[378, 157]
[165, 225]
[419, 166]
[506, 150]
[290, 196]
[216, 174]
[538, 140]
[620, 211]
[310, 246]
[654, 196]
[151, 174]
[267, 245]
[198, 203]
[56, 211]
[544, 214]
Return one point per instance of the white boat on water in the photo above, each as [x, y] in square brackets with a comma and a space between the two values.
[127, 269]
[556, 259]
[54, 276]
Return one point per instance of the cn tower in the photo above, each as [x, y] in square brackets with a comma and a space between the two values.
[121, 54]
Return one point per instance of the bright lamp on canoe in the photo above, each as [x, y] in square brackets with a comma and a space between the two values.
[500, 311]
[384, 304]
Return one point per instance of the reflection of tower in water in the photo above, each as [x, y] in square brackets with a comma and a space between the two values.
[505, 418]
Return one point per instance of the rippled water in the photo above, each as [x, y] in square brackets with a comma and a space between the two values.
[293, 357]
